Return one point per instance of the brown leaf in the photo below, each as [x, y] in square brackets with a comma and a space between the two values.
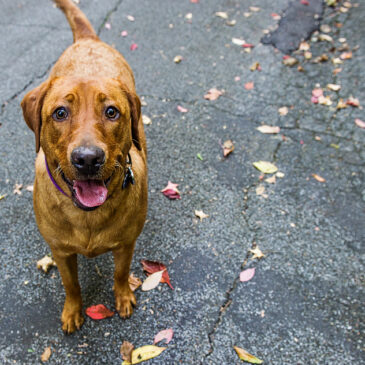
[271, 179]
[255, 66]
[213, 94]
[178, 59]
[126, 351]
[290, 61]
[257, 253]
[45, 263]
[46, 354]
[153, 266]
[319, 178]
[134, 282]
[17, 189]
[200, 214]
[228, 147]
[353, 102]
[346, 55]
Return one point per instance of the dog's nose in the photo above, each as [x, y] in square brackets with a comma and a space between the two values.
[88, 160]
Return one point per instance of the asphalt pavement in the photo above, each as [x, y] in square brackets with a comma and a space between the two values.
[305, 303]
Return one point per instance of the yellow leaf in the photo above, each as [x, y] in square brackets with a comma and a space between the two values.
[245, 356]
[46, 354]
[145, 353]
[265, 167]
[257, 253]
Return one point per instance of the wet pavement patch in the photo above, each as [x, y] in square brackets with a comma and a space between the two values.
[298, 22]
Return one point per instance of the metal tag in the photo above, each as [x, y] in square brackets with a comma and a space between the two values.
[128, 178]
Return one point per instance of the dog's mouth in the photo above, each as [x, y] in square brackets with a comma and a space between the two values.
[88, 194]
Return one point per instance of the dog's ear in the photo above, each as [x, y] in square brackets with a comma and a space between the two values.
[32, 107]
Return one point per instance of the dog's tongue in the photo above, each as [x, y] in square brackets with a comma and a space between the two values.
[90, 193]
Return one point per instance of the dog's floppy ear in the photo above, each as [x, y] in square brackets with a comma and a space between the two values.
[32, 107]
[135, 109]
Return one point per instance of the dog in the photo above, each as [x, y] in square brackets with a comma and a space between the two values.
[90, 188]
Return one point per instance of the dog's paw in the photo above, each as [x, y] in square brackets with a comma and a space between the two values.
[72, 320]
[124, 302]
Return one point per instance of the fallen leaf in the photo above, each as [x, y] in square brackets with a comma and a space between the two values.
[325, 38]
[260, 190]
[265, 167]
[255, 66]
[346, 55]
[337, 61]
[257, 253]
[126, 350]
[268, 129]
[222, 14]
[46, 354]
[199, 156]
[130, 18]
[228, 147]
[238, 41]
[17, 189]
[45, 263]
[280, 174]
[231, 23]
[275, 16]
[99, 311]
[336, 71]
[29, 188]
[319, 178]
[248, 45]
[213, 94]
[307, 55]
[144, 353]
[254, 9]
[107, 26]
[325, 100]
[134, 282]
[146, 120]
[304, 2]
[247, 274]
[200, 214]
[164, 335]
[249, 85]
[178, 59]
[153, 266]
[304, 46]
[271, 179]
[189, 16]
[171, 191]
[333, 87]
[247, 14]
[124, 33]
[245, 356]
[152, 280]
[133, 46]
[341, 104]
[290, 61]
[2, 196]
[360, 123]
[283, 111]
[322, 58]
[181, 109]
[353, 102]
[237, 78]
[325, 28]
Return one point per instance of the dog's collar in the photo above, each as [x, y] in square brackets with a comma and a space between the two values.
[128, 176]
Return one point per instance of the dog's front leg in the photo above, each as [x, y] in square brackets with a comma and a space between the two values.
[72, 318]
[124, 297]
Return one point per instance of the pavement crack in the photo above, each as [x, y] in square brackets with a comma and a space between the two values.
[108, 15]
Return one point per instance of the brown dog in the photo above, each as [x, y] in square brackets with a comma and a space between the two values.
[90, 141]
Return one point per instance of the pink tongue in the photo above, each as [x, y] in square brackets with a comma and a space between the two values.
[90, 193]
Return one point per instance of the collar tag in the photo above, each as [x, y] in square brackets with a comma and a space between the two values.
[129, 176]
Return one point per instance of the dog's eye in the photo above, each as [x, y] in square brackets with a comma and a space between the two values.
[60, 114]
[111, 112]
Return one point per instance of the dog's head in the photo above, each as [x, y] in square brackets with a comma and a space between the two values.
[85, 128]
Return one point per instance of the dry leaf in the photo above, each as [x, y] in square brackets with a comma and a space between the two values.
[189, 16]
[153, 266]
[126, 351]
[231, 23]
[164, 335]
[29, 188]
[200, 214]
[322, 58]
[271, 179]
[360, 123]
[341, 104]
[265, 167]
[133, 46]
[130, 18]
[228, 147]
[268, 129]
[255, 66]
[152, 281]
[144, 353]
[124, 33]
[325, 100]
[178, 59]
[213, 94]
[45, 263]
[283, 111]
[146, 120]
[353, 102]
[307, 55]
[134, 282]
[245, 356]
[99, 311]
[260, 190]
[2, 196]
[333, 87]
[238, 41]
[17, 189]
[290, 61]
[46, 354]
[319, 178]
[280, 174]
[181, 109]
[325, 28]
[222, 14]
[171, 191]
[249, 85]
[325, 38]
[254, 9]
[257, 253]
[346, 55]
[247, 274]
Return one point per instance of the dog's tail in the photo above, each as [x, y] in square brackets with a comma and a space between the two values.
[80, 25]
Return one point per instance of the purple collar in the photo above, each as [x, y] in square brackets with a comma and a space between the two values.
[53, 180]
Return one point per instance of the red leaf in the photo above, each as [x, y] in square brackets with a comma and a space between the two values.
[248, 45]
[153, 266]
[134, 46]
[99, 311]
[170, 191]
[304, 2]
[249, 85]
[164, 335]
